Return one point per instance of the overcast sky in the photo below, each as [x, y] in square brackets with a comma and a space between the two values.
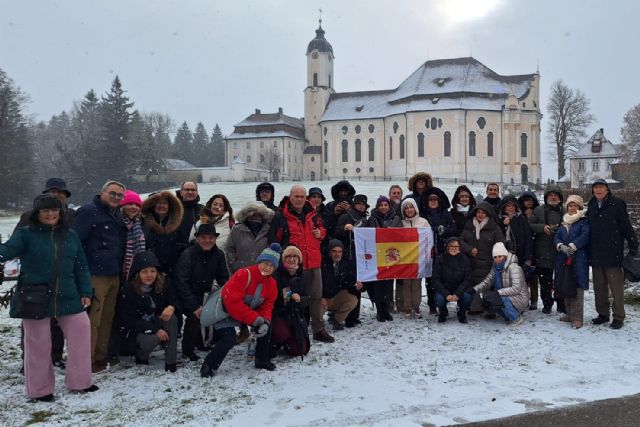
[215, 61]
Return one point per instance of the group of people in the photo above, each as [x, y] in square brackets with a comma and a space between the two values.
[125, 276]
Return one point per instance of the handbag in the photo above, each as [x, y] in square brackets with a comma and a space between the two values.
[213, 309]
[565, 281]
[31, 300]
[631, 266]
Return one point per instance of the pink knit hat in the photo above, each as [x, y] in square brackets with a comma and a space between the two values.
[131, 198]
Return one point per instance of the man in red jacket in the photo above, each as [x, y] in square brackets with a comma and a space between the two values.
[299, 224]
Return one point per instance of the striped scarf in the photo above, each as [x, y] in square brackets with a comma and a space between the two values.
[134, 245]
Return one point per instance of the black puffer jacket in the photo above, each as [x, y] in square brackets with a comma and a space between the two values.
[194, 274]
[140, 313]
[190, 215]
[517, 234]
[378, 220]
[345, 279]
[490, 234]
[451, 274]
[355, 218]
[543, 248]
[460, 218]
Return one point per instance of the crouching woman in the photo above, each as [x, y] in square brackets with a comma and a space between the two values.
[504, 289]
[147, 307]
[248, 297]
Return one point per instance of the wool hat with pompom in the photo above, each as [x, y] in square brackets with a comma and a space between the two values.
[271, 254]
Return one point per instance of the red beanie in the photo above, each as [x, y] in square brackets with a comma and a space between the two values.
[131, 198]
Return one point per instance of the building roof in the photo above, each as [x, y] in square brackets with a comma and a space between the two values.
[445, 84]
[279, 118]
[177, 164]
[265, 135]
[598, 146]
[259, 125]
[319, 43]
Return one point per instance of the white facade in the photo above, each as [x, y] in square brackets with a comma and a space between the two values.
[593, 161]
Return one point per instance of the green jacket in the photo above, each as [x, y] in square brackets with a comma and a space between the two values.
[37, 247]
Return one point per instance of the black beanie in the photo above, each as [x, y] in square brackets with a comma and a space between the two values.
[143, 260]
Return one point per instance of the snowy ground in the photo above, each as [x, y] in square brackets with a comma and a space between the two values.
[401, 373]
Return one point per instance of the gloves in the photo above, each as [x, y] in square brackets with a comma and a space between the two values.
[261, 330]
[440, 230]
[258, 322]
[566, 249]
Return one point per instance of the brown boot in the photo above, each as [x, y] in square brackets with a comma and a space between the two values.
[323, 336]
[243, 335]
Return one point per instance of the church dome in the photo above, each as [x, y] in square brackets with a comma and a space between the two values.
[319, 43]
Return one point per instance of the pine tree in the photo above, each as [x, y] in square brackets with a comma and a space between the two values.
[217, 149]
[86, 136]
[183, 143]
[115, 120]
[16, 185]
[200, 143]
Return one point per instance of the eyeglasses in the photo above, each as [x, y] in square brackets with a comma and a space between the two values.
[190, 189]
[116, 195]
[291, 257]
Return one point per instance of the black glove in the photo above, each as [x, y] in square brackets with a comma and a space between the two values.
[492, 299]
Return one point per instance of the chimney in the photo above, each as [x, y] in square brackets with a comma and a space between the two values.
[602, 131]
[280, 110]
[257, 111]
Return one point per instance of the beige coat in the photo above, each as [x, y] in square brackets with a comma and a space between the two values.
[513, 284]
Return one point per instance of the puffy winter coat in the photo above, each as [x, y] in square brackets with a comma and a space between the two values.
[37, 245]
[513, 284]
[451, 274]
[162, 237]
[301, 233]
[335, 194]
[416, 221]
[517, 234]
[194, 274]
[577, 234]
[295, 283]
[103, 237]
[460, 217]
[191, 214]
[610, 226]
[236, 294]
[543, 248]
[440, 217]
[490, 234]
[243, 247]
[139, 313]
[378, 220]
[355, 218]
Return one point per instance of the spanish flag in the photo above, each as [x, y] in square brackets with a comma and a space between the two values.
[393, 253]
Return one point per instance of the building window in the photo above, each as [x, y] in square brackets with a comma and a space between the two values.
[481, 122]
[315, 79]
[390, 148]
[447, 144]
[248, 144]
[235, 145]
[439, 123]
[395, 127]
[358, 150]
[581, 165]
[326, 152]
[275, 144]
[402, 146]
[490, 144]
[595, 166]
[248, 158]
[608, 166]
[372, 146]
[358, 170]
[358, 128]
[261, 144]
[426, 124]
[345, 150]
[344, 130]
[472, 144]
[325, 131]
[523, 145]
[421, 144]
[371, 170]
[289, 144]
[329, 77]
[371, 128]
[262, 159]
[434, 123]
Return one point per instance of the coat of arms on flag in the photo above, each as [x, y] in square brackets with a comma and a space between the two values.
[393, 253]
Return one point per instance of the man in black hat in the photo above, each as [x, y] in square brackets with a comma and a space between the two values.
[609, 226]
[58, 188]
[198, 267]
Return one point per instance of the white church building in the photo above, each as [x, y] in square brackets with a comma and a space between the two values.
[453, 118]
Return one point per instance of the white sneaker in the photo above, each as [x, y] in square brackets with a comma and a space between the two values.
[518, 321]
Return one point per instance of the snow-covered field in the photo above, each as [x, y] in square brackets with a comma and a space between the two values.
[405, 372]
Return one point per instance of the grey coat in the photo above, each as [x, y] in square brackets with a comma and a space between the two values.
[513, 284]
[242, 246]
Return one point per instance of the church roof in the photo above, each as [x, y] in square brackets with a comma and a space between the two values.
[319, 43]
[597, 146]
[445, 84]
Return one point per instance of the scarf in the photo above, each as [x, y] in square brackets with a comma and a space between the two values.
[568, 220]
[463, 209]
[479, 225]
[135, 243]
[497, 275]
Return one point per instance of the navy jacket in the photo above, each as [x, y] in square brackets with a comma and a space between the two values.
[333, 283]
[140, 313]
[103, 237]
[578, 234]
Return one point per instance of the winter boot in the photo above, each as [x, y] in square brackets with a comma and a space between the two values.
[462, 316]
[379, 313]
[385, 311]
[442, 316]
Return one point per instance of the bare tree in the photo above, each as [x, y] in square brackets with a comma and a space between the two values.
[569, 116]
[271, 160]
[631, 135]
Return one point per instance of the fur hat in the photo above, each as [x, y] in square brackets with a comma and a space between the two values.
[292, 250]
[499, 249]
[575, 199]
[271, 255]
[46, 201]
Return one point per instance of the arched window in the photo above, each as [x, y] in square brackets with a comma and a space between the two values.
[434, 123]
[472, 144]
[326, 152]
[402, 146]
[447, 144]
[315, 79]
[329, 80]
[523, 145]
[345, 150]
[358, 150]
[395, 127]
[372, 146]
[490, 144]
[421, 144]
[390, 148]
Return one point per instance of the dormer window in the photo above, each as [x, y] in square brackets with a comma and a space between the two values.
[359, 107]
[441, 82]
[435, 100]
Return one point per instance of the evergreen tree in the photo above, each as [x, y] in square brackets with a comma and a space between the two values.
[217, 149]
[80, 155]
[200, 143]
[16, 167]
[115, 121]
[183, 143]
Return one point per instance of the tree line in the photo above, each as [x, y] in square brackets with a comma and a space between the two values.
[99, 138]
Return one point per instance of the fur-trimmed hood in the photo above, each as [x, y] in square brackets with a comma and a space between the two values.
[455, 200]
[175, 214]
[255, 208]
[343, 185]
[417, 176]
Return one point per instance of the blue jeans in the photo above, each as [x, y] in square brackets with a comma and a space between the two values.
[508, 312]
[464, 302]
